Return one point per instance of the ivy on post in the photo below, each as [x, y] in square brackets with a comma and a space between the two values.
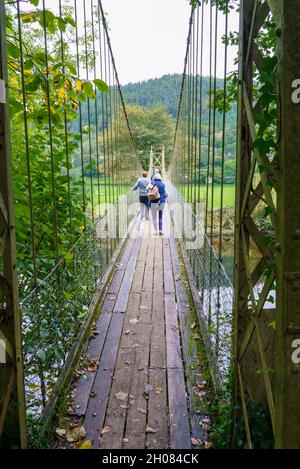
[287, 348]
[12, 401]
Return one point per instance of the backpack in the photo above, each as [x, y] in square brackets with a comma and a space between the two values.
[153, 192]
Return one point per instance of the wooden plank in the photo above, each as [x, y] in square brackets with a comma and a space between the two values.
[126, 255]
[116, 281]
[143, 250]
[174, 359]
[97, 342]
[138, 276]
[158, 342]
[148, 275]
[158, 284]
[137, 413]
[95, 414]
[121, 303]
[168, 270]
[145, 297]
[178, 410]
[158, 346]
[117, 408]
[85, 383]
[158, 411]
[146, 308]
[108, 304]
[129, 334]
[181, 300]
[142, 339]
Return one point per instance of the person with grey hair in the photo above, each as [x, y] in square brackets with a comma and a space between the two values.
[157, 205]
[155, 171]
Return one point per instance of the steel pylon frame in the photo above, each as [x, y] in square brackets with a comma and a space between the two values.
[157, 159]
[12, 400]
[276, 358]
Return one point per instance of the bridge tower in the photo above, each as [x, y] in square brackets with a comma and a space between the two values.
[158, 159]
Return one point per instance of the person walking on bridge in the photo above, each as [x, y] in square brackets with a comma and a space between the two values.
[157, 204]
[154, 173]
[141, 185]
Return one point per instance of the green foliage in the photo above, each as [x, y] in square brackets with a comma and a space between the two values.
[223, 5]
[41, 164]
[164, 92]
[227, 433]
[222, 417]
[151, 127]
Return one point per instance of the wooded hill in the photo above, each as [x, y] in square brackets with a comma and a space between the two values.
[158, 99]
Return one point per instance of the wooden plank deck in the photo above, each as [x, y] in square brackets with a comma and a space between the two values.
[137, 394]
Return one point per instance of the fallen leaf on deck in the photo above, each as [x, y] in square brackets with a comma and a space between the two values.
[75, 433]
[142, 410]
[175, 328]
[147, 389]
[193, 325]
[143, 307]
[201, 386]
[205, 422]
[121, 396]
[106, 429]
[150, 430]
[196, 442]
[157, 390]
[61, 432]
[125, 440]
[87, 444]
[92, 365]
[127, 331]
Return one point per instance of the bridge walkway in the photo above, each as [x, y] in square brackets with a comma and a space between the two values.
[132, 390]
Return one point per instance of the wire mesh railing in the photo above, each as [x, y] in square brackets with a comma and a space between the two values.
[200, 170]
[213, 285]
[73, 157]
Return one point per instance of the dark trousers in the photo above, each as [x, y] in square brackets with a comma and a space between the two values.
[144, 205]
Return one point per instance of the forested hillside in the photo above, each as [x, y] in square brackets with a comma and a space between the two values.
[157, 92]
[159, 97]
[165, 91]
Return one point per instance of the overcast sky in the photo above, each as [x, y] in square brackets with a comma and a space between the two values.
[149, 37]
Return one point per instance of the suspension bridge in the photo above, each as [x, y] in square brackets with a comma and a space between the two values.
[112, 336]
